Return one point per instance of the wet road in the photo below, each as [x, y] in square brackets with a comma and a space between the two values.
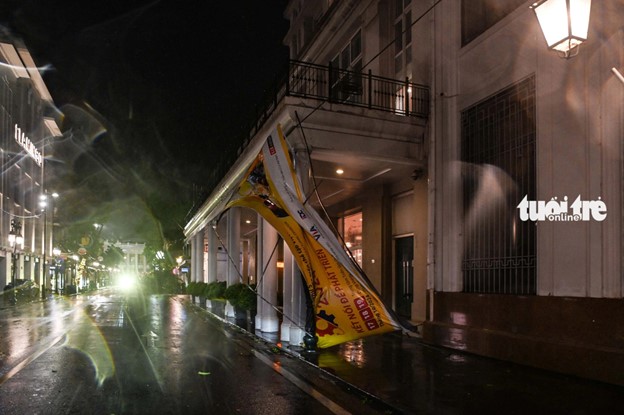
[107, 354]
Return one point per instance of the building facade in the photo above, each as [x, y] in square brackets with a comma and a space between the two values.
[27, 127]
[419, 128]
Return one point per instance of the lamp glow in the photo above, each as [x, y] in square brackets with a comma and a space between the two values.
[126, 282]
[565, 23]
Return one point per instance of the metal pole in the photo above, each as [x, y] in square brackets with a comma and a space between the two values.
[15, 238]
[45, 232]
[56, 275]
[14, 274]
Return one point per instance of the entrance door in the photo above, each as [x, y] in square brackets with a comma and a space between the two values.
[404, 266]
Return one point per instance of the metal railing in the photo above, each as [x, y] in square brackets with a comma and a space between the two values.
[340, 86]
[335, 85]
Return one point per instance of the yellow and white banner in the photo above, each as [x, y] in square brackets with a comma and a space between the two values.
[346, 306]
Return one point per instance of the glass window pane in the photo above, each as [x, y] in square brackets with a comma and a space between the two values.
[398, 62]
[345, 58]
[356, 46]
[352, 235]
[408, 28]
[398, 37]
[398, 8]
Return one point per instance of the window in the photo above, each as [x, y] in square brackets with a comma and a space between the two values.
[351, 54]
[346, 77]
[479, 15]
[350, 228]
[402, 35]
[498, 145]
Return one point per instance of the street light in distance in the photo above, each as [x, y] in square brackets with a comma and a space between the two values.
[15, 239]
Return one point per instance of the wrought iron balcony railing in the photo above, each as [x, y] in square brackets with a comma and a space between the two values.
[337, 85]
[340, 86]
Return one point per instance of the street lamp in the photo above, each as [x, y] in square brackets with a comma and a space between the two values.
[56, 252]
[15, 239]
[43, 203]
[565, 24]
[618, 75]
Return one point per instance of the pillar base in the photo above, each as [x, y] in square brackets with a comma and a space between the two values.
[229, 310]
[270, 324]
[296, 336]
[285, 332]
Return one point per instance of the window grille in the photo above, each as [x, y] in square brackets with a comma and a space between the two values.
[402, 35]
[498, 169]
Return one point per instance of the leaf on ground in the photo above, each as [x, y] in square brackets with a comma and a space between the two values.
[203, 373]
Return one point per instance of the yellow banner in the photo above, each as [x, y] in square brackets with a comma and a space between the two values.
[346, 306]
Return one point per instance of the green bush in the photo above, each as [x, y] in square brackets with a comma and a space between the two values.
[247, 298]
[215, 290]
[196, 288]
[190, 288]
[241, 296]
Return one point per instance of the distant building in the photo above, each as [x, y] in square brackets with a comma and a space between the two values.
[134, 258]
[423, 126]
[26, 128]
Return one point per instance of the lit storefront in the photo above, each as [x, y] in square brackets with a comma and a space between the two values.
[25, 128]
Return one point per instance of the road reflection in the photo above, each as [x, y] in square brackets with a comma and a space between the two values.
[84, 336]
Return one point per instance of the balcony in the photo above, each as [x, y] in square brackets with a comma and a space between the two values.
[340, 86]
[335, 86]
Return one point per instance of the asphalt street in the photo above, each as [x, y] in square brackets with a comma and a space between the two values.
[110, 354]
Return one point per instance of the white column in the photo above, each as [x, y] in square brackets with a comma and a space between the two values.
[196, 268]
[289, 272]
[233, 247]
[212, 253]
[259, 262]
[270, 320]
[200, 256]
[192, 258]
[297, 328]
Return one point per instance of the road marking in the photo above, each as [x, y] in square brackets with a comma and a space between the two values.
[21, 365]
[324, 400]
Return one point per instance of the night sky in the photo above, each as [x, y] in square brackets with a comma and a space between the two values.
[172, 84]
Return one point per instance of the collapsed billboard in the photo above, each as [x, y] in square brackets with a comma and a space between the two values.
[346, 306]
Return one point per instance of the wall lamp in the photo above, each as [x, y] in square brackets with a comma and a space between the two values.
[15, 234]
[565, 24]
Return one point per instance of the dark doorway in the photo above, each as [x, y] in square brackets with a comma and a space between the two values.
[404, 266]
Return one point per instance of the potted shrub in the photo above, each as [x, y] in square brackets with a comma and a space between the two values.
[191, 289]
[196, 290]
[232, 293]
[243, 299]
[215, 292]
[248, 299]
[201, 288]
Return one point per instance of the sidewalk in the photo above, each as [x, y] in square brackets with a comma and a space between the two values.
[417, 378]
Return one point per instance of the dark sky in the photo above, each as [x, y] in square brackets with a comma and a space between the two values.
[175, 83]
